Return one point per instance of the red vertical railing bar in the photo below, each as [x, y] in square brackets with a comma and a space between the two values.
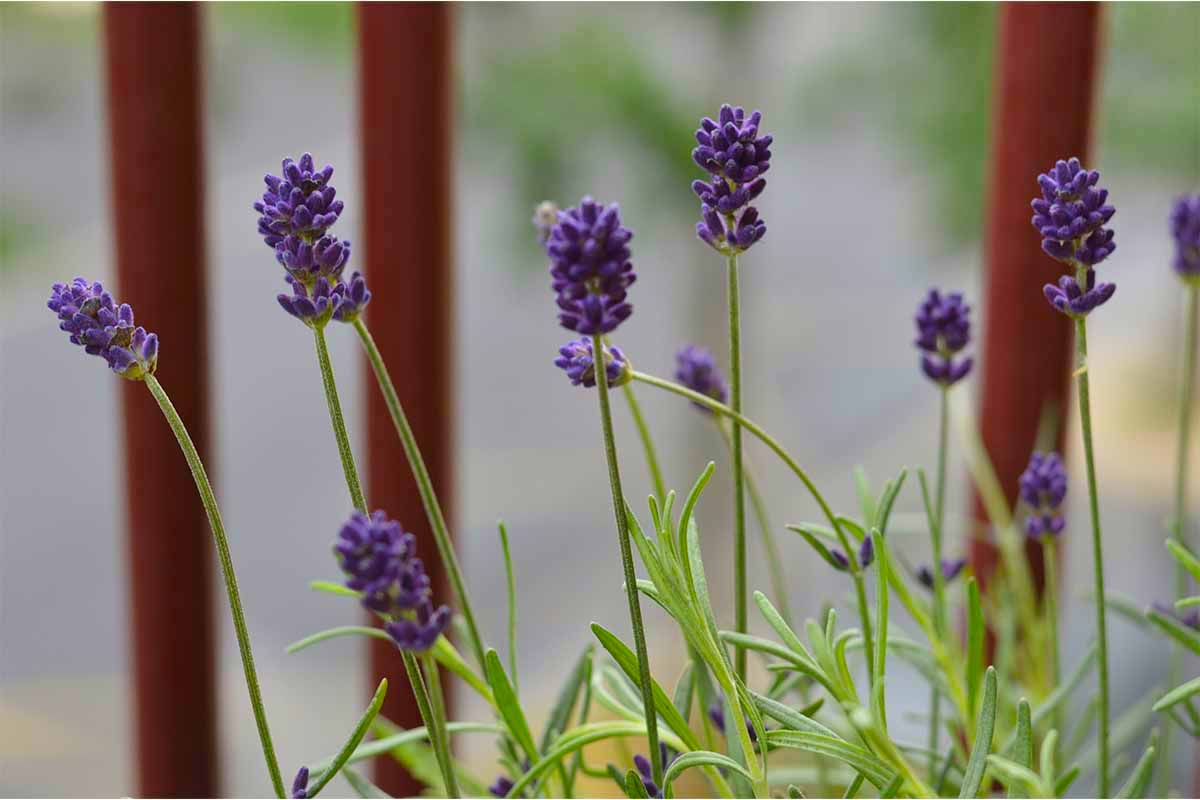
[1041, 110]
[406, 102]
[154, 118]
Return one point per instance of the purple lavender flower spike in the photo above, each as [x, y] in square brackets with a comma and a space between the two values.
[1185, 230]
[299, 203]
[501, 787]
[355, 299]
[735, 157]
[379, 560]
[1071, 213]
[308, 261]
[590, 269]
[943, 331]
[696, 369]
[576, 359]
[1068, 298]
[313, 307]
[300, 784]
[951, 569]
[93, 320]
[1043, 487]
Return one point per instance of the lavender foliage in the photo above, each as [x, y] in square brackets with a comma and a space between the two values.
[1043, 487]
[943, 331]
[94, 321]
[1185, 230]
[576, 359]
[735, 157]
[590, 267]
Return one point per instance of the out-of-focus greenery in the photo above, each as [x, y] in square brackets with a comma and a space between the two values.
[320, 29]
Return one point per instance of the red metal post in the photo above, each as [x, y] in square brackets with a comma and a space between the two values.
[1042, 111]
[154, 101]
[406, 101]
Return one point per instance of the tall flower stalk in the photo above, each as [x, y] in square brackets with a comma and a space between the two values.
[590, 271]
[1071, 216]
[735, 157]
[1185, 230]
[103, 328]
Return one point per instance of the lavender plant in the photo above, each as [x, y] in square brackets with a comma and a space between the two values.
[997, 715]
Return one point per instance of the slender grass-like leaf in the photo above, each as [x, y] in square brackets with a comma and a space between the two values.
[879, 661]
[627, 661]
[1179, 694]
[685, 691]
[1185, 558]
[793, 660]
[1020, 780]
[689, 504]
[356, 737]
[385, 744]
[511, 586]
[361, 786]
[560, 712]
[976, 635]
[817, 545]
[866, 498]
[1185, 603]
[1023, 752]
[977, 763]
[634, 788]
[892, 789]
[891, 491]
[1048, 758]
[854, 786]
[333, 587]
[333, 633]
[1065, 780]
[855, 529]
[780, 626]
[701, 758]
[789, 717]
[853, 755]
[508, 705]
[1176, 630]
[1139, 779]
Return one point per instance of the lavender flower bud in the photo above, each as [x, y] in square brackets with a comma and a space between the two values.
[943, 331]
[590, 268]
[501, 787]
[696, 369]
[300, 203]
[1185, 229]
[1190, 619]
[306, 262]
[95, 322]
[576, 359]
[354, 299]
[1071, 213]
[300, 784]
[866, 555]
[951, 568]
[1068, 298]
[418, 632]
[735, 157]
[1043, 487]
[313, 307]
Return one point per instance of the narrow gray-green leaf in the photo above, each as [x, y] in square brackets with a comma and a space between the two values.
[976, 635]
[512, 606]
[1020, 780]
[702, 758]
[977, 764]
[508, 705]
[1178, 695]
[560, 714]
[1023, 754]
[817, 545]
[634, 787]
[1140, 777]
[1176, 630]
[361, 786]
[356, 737]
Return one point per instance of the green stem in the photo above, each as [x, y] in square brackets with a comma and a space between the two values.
[769, 441]
[864, 613]
[639, 422]
[437, 705]
[770, 548]
[1179, 530]
[939, 580]
[1050, 598]
[204, 488]
[432, 724]
[429, 500]
[740, 597]
[339, 422]
[1085, 418]
[435, 717]
[631, 591]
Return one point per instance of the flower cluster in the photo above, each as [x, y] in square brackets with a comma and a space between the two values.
[951, 569]
[94, 321]
[1070, 215]
[577, 360]
[590, 269]
[297, 211]
[735, 157]
[943, 330]
[1043, 487]
[696, 369]
[380, 561]
[300, 784]
[1185, 229]
[646, 771]
[866, 555]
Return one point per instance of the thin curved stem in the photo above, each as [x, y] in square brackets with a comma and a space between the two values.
[432, 725]
[1050, 598]
[759, 506]
[864, 614]
[639, 422]
[338, 422]
[204, 488]
[740, 591]
[429, 500]
[1179, 530]
[631, 591]
[437, 708]
[769, 441]
[1085, 418]
[939, 580]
